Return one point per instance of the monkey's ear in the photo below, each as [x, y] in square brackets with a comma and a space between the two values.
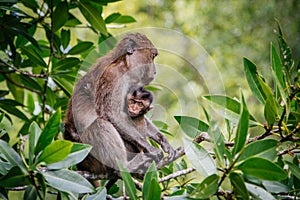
[130, 47]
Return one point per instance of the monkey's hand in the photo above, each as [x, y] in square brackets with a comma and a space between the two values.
[156, 154]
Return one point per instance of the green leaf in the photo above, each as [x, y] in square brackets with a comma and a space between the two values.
[48, 133]
[17, 92]
[112, 17]
[263, 169]
[80, 48]
[34, 134]
[100, 194]
[60, 15]
[128, 182]
[294, 168]
[206, 188]
[10, 106]
[242, 129]
[229, 107]
[218, 140]
[11, 156]
[151, 189]
[271, 105]
[65, 38]
[199, 158]
[65, 64]
[261, 148]
[275, 186]
[55, 152]
[14, 178]
[124, 19]
[259, 192]
[191, 126]
[64, 84]
[251, 76]
[239, 186]
[30, 193]
[276, 66]
[33, 56]
[78, 153]
[68, 181]
[93, 16]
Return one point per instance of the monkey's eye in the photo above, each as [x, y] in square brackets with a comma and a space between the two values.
[131, 101]
[140, 104]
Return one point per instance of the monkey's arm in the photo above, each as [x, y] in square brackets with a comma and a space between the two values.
[158, 137]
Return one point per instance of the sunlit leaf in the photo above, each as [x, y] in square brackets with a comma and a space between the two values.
[263, 169]
[56, 151]
[259, 192]
[206, 188]
[239, 186]
[191, 126]
[242, 129]
[128, 182]
[68, 181]
[275, 186]
[276, 65]
[251, 75]
[48, 133]
[199, 158]
[78, 153]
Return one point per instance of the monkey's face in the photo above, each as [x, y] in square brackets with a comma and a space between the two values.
[142, 66]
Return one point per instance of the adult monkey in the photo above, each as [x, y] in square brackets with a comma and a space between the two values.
[96, 114]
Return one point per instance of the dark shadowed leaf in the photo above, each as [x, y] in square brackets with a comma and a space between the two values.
[30, 193]
[65, 64]
[60, 15]
[276, 65]
[65, 38]
[275, 186]
[14, 178]
[239, 186]
[9, 106]
[34, 56]
[263, 169]
[191, 126]
[93, 16]
[294, 169]
[80, 48]
[199, 158]
[206, 188]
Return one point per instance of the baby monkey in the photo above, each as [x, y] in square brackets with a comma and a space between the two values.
[139, 102]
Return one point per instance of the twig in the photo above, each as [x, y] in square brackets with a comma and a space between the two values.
[14, 69]
[21, 86]
[176, 174]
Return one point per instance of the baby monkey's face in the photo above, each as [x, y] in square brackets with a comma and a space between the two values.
[139, 102]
